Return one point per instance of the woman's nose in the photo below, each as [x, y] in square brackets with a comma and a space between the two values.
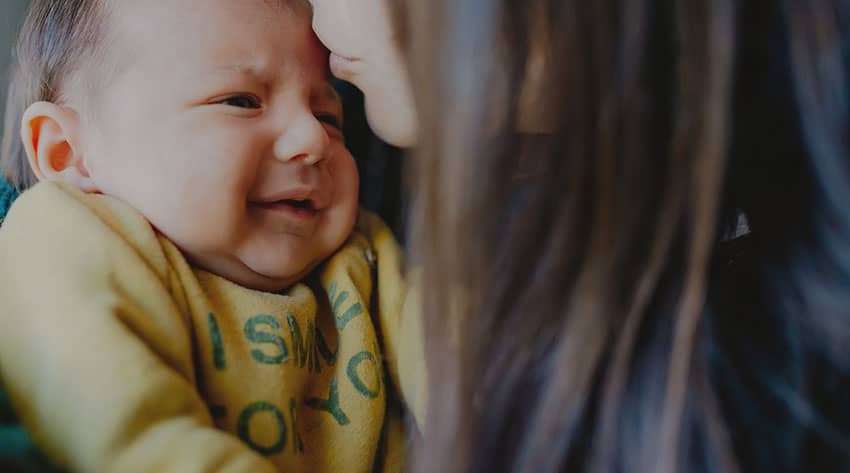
[305, 139]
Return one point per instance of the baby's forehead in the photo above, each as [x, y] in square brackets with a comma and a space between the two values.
[249, 37]
[209, 17]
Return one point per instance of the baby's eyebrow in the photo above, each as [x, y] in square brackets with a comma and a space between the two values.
[252, 67]
[248, 69]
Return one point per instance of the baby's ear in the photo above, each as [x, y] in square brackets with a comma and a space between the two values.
[51, 139]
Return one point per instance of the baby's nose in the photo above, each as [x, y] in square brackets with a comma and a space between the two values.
[304, 139]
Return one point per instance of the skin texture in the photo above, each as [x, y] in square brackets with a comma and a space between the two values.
[217, 110]
[365, 51]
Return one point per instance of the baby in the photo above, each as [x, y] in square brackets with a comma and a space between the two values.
[189, 287]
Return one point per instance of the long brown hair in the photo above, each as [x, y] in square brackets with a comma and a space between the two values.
[56, 38]
[566, 312]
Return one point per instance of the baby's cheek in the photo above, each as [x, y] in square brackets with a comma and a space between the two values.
[207, 223]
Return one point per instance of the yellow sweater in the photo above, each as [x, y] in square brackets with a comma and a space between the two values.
[121, 357]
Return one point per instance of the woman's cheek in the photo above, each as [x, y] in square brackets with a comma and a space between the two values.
[375, 15]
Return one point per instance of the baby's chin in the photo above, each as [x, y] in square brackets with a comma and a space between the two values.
[261, 279]
[258, 275]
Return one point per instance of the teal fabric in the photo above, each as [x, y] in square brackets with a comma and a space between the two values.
[7, 196]
[14, 442]
[17, 452]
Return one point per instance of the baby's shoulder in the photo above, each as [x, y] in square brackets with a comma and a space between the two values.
[66, 219]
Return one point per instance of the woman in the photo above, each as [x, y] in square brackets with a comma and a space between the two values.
[608, 322]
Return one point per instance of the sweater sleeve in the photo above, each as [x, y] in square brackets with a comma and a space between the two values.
[94, 353]
[7, 197]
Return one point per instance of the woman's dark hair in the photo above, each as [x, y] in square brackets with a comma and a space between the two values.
[581, 318]
[57, 37]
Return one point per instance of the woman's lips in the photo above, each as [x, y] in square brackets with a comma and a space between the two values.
[342, 66]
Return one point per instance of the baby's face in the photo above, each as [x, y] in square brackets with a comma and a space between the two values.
[221, 128]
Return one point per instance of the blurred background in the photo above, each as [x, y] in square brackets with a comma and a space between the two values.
[11, 15]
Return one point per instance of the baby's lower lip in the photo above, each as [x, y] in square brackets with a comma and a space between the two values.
[286, 208]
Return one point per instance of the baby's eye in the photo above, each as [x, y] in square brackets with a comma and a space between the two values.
[330, 119]
[241, 101]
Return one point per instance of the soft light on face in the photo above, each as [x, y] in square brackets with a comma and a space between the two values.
[221, 128]
[366, 52]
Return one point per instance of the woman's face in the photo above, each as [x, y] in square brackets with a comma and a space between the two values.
[365, 51]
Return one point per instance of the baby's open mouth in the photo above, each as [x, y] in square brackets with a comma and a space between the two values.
[294, 207]
[300, 204]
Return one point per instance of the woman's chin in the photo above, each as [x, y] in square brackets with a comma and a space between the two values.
[393, 123]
